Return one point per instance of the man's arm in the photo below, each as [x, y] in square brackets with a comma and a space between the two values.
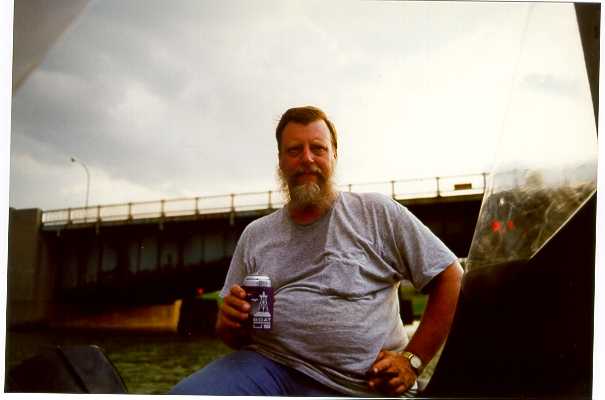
[437, 319]
[392, 371]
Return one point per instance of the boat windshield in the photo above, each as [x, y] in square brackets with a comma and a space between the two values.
[546, 160]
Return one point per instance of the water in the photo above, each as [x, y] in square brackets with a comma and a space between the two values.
[149, 363]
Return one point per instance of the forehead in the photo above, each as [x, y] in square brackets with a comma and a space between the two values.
[316, 130]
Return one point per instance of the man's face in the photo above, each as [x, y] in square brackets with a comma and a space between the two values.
[306, 162]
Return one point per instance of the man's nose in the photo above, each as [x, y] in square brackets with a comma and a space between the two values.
[307, 156]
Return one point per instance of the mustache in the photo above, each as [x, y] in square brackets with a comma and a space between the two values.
[313, 169]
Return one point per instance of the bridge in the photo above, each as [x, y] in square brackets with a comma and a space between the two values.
[157, 252]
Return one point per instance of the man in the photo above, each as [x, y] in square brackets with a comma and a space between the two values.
[335, 261]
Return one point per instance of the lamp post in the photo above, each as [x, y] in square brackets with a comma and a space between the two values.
[73, 159]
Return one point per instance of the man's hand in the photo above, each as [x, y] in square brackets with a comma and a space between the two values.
[232, 315]
[391, 374]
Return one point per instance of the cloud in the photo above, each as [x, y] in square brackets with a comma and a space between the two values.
[183, 99]
[35, 182]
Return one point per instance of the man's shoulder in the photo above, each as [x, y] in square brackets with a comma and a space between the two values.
[375, 205]
[266, 222]
[369, 199]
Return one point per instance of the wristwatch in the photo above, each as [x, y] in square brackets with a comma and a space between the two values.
[415, 361]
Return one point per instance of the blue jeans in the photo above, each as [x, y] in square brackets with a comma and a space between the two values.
[245, 373]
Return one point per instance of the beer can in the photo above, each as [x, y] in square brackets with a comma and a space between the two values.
[259, 294]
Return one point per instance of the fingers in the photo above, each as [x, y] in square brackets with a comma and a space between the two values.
[401, 389]
[396, 382]
[238, 291]
[382, 372]
[390, 374]
[226, 322]
[237, 298]
[234, 310]
[375, 383]
[382, 363]
[233, 314]
[236, 303]
[396, 385]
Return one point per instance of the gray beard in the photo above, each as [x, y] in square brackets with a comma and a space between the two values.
[305, 195]
[309, 194]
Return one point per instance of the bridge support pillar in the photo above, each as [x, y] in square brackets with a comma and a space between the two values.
[30, 272]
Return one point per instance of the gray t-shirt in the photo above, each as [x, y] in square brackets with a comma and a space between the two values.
[335, 284]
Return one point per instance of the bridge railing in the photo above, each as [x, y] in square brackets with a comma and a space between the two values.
[433, 187]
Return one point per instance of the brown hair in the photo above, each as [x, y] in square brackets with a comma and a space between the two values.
[305, 115]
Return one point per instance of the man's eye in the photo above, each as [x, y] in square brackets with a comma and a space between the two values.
[319, 149]
[293, 151]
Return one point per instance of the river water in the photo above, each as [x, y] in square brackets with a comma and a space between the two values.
[149, 363]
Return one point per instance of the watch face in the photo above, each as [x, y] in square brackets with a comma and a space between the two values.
[415, 361]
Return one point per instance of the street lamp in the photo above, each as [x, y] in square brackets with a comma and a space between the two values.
[73, 159]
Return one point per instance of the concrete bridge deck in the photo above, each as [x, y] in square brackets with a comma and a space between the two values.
[408, 192]
[138, 254]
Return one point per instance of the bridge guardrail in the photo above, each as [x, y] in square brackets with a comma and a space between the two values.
[433, 187]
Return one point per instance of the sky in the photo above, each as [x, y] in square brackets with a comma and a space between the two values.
[181, 99]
